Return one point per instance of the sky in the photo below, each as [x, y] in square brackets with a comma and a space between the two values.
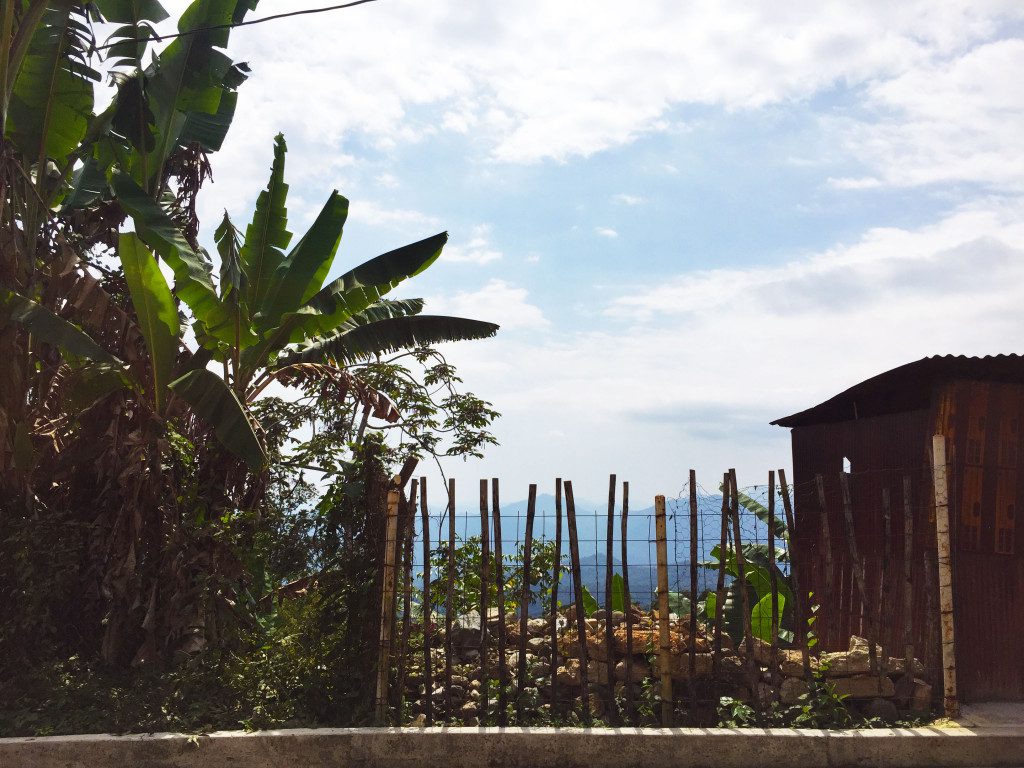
[688, 219]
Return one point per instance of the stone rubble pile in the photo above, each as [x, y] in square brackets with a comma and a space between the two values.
[848, 671]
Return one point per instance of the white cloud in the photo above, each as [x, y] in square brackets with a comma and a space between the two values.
[498, 302]
[606, 232]
[376, 215]
[477, 250]
[950, 120]
[628, 199]
[532, 258]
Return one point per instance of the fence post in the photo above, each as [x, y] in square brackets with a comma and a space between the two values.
[449, 604]
[499, 582]
[664, 636]
[885, 588]
[794, 571]
[858, 576]
[753, 668]
[403, 648]
[609, 627]
[826, 540]
[556, 577]
[387, 613]
[716, 648]
[428, 661]
[773, 581]
[906, 684]
[485, 572]
[581, 627]
[693, 594]
[627, 605]
[949, 695]
[524, 605]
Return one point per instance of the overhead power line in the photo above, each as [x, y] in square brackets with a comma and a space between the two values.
[275, 17]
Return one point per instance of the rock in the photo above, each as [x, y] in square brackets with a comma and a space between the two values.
[921, 698]
[845, 663]
[474, 695]
[599, 615]
[475, 684]
[640, 670]
[420, 721]
[883, 709]
[898, 666]
[791, 663]
[470, 655]
[618, 617]
[864, 686]
[538, 627]
[597, 673]
[541, 669]
[762, 652]
[466, 630]
[460, 681]
[679, 665]
[539, 644]
[570, 673]
[591, 625]
[791, 690]
[469, 709]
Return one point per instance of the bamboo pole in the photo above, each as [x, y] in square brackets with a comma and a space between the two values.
[524, 605]
[693, 594]
[716, 648]
[555, 579]
[609, 627]
[773, 582]
[753, 669]
[627, 606]
[485, 574]
[794, 573]
[581, 627]
[945, 571]
[664, 636]
[387, 613]
[858, 573]
[428, 624]
[885, 588]
[449, 604]
[403, 652]
[826, 540]
[908, 583]
[499, 582]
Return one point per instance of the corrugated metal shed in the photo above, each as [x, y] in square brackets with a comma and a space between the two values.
[883, 427]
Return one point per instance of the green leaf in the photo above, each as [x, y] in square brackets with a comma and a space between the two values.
[131, 11]
[154, 306]
[232, 278]
[761, 617]
[303, 271]
[52, 101]
[589, 603]
[210, 130]
[193, 283]
[618, 592]
[215, 403]
[391, 335]
[53, 329]
[88, 183]
[267, 235]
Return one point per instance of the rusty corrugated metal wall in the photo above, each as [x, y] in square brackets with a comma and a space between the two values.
[882, 451]
[983, 424]
[982, 421]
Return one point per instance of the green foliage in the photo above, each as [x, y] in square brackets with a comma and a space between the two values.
[468, 568]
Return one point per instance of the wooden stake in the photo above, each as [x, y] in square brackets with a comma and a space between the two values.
[882, 610]
[449, 605]
[524, 605]
[485, 574]
[945, 570]
[499, 582]
[387, 613]
[794, 573]
[753, 669]
[428, 661]
[773, 582]
[908, 583]
[716, 655]
[403, 648]
[826, 540]
[627, 605]
[581, 627]
[693, 594]
[556, 577]
[609, 627]
[858, 573]
[664, 638]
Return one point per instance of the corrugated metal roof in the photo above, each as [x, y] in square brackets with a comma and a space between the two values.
[907, 388]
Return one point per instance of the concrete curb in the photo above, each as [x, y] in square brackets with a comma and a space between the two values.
[528, 747]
